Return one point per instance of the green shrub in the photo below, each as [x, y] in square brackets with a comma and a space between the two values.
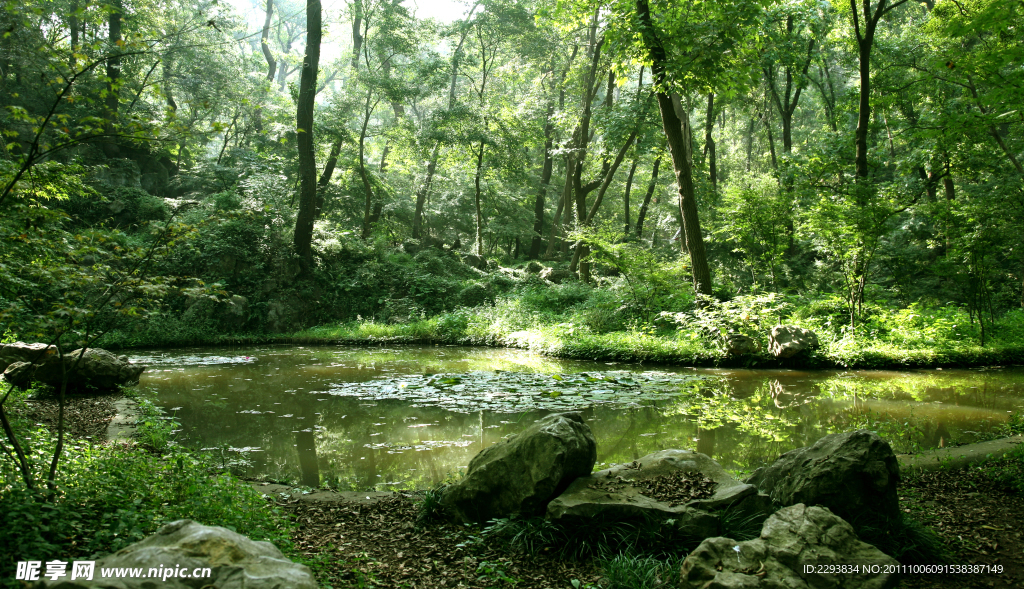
[110, 496]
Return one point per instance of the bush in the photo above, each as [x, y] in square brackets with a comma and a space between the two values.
[109, 496]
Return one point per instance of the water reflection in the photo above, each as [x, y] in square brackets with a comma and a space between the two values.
[275, 406]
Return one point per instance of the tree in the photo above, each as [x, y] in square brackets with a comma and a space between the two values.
[669, 76]
[865, 24]
[304, 129]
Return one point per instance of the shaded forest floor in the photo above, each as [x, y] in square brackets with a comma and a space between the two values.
[979, 520]
[379, 543]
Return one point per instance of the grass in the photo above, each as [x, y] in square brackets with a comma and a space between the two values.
[630, 571]
[577, 321]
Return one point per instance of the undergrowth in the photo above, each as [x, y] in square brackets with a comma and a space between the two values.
[109, 496]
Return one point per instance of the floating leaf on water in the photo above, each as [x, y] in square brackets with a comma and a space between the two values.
[511, 392]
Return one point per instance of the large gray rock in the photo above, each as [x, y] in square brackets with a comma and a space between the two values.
[792, 539]
[855, 474]
[556, 275]
[19, 374]
[617, 494]
[523, 473]
[97, 367]
[786, 341]
[237, 310]
[235, 562]
[36, 353]
[475, 261]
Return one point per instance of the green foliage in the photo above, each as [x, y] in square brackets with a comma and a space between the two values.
[430, 508]
[154, 430]
[489, 572]
[111, 496]
[750, 315]
[646, 282]
[756, 217]
[627, 571]
[597, 539]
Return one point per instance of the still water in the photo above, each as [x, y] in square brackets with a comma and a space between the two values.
[407, 417]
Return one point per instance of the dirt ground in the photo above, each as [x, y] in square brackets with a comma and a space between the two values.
[85, 416]
[979, 522]
[378, 544]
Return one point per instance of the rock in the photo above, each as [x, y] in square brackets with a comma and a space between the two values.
[534, 267]
[556, 275]
[235, 562]
[786, 341]
[522, 474]
[791, 538]
[37, 353]
[855, 474]
[607, 495]
[411, 246]
[475, 261]
[98, 368]
[19, 374]
[737, 344]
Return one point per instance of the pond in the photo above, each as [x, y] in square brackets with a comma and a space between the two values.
[358, 418]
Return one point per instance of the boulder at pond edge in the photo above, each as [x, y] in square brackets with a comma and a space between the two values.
[793, 538]
[855, 474]
[235, 562]
[617, 494]
[786, 341]
[97, 368]
[522, 474]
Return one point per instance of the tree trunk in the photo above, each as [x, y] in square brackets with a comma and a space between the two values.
[421, 194]
[642, 214]
[73, 30]
[265, 43]
[863, 107]
[709, 142]
[556, 221]
[326, 175]
[771, 143]
[545, 179]
[676, 124]
[368, 219]
[304, 127]
[357, 32]
[750, 142]
[625, 195]
[110, 148]
[479, 246]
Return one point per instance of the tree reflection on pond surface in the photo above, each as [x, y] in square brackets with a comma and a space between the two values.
[376, 418]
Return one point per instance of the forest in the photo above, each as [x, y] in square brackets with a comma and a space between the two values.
[676, 170]
[601, 180]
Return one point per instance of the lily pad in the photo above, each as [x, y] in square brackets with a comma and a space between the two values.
[513, 392]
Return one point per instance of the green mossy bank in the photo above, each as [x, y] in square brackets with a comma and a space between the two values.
[634, 347]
